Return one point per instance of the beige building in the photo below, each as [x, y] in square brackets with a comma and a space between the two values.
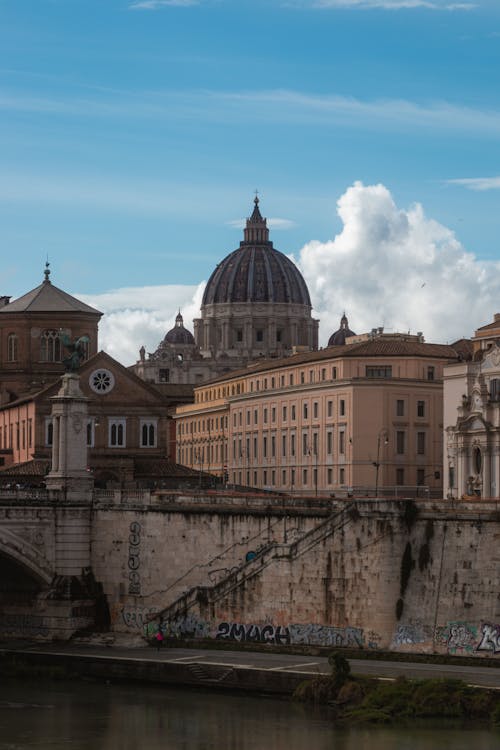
[360, 415]
[472, 418]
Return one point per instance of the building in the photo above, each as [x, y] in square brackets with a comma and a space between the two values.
[129, 432]
[359, 415]
[31, 349]
[472, 418]
[256, 305]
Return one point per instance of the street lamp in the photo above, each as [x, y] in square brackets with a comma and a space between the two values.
[382, 435]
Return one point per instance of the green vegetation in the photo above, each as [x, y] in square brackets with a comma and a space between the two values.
[368, 700]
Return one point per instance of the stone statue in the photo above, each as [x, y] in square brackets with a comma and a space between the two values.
[76, 351]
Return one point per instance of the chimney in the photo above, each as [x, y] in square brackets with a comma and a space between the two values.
[4, 301]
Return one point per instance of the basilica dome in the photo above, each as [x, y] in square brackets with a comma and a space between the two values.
[178, 334]
[256, 272]
[338, 337]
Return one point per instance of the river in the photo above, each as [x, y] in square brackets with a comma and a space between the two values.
[93, 716]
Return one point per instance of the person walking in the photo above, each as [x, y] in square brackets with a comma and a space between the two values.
[159, 639]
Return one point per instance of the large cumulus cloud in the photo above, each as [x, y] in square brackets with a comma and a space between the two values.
[397, 268]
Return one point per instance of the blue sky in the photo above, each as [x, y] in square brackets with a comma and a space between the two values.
[133, 134]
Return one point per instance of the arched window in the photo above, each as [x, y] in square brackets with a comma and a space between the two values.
[12, 348]
[50, 346]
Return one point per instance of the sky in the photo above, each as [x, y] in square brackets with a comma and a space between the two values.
[133, 134]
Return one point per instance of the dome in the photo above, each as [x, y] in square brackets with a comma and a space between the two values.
[178, 334]
[256, 272]
[338, 338]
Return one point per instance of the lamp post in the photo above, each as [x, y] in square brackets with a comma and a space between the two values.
[382, 435]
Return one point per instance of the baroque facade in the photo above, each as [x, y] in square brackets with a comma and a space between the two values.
[472, 418]
[256, 305]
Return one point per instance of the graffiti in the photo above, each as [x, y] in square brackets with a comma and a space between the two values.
[186, 627]
[325, 635]
[134, 541]
[137, 617]
[253, 633]
[490, 640]
[409, 635]
[31, 625]
[373, 639]
[458, 636]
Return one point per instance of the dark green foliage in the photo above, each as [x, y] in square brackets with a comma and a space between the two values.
[407, 564]
[317, 690]
[495, 715]
[341, 669]
[410, 514]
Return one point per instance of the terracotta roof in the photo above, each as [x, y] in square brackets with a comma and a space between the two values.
[377, 347]
[490, 326]
[47, 298]
[161, 467]
[464, 348]
[37, 467]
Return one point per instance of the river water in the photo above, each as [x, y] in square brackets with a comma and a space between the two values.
[92, 716]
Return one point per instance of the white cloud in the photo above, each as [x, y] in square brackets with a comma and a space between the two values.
[273, 106]
[156, 4]
[477, 183]
[388, 266]
[141, 316]
[392, 4]
[396, 267]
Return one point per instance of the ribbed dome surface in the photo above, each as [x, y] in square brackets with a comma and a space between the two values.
[178, 334]
[256, 272]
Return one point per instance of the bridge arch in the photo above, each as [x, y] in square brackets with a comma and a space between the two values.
[26, 555]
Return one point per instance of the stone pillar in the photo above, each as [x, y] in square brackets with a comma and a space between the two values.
[68, 474]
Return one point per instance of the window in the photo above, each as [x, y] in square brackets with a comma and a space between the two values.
[273, 477]
[292, 477]
[342, 476]
[329, 476]
[304, 477]
[283, 445]
[279, 335]
[50, 346]
[334, 373]
[273, 446]
[291, 378]
[116, 433]
[379, 372]
[259, 335]
[90, 433]
[330, 408]
[495, 389]
[283, 476]
[273, 414]
[49, 432]
[255, 447]
[264, 447]
[304, 444]
[420, 408]
[342, 407]
[323, 373]
[311, 376]
[305, 410]
[292, 444]
[421, 443]
[239, 335]
[264, 477]
[12, 348]
[164, 375]
[265, 416]
[420, 476]
[430, 372]
[329, 443]
[451, 476]
[293, 412]
[315, 443]
[284, 414]
[148, 433]
[400, 477]
[400, 408]
[315, 410]
[248, 416]
[282, 381]
[302, 377]
[342, 442]
[400, 442]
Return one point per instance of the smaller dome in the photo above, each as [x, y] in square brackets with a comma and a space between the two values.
[338, 338]
[178, 334]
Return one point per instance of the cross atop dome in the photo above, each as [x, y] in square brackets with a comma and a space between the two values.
[46, 272]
